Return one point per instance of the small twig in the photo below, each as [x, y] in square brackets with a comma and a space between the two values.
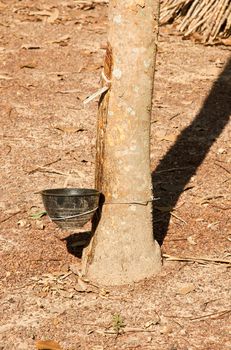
[39, 168]
[217, 314]
[222, 167]
[207, 200]
[177, 217]
[197, 259]
[66, 275]
[53, 162]
[9, 149]
[96, 94]
[73, 91]
[45, 260]
[221, 208]
[174, 116]
[172, 169]
[177, 239]
[205, 304]
[10, 216]
[45, 170]
[129, 330]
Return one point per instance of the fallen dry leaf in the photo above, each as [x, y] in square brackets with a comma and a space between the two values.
[47, 345]
[186, 103]
[69, 130]
[30, 47]
[103, 292]
[23, 223]
[2, 5]
[140, 3]
[39, 225]
[73, 91]
[82, 286]
[226, 42]
[167, 329]
[160, 134]
[196, 37]
[187, 288]
[191, 240]
[90, 68]
[5, 77]
[221, 151]
[62, 40]
[75, 270]
[28, 65]
[170, 137]
[53, 16]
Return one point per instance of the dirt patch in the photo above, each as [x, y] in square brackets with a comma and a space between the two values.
[51, 57]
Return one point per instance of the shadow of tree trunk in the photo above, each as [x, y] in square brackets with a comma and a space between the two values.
[191, 148]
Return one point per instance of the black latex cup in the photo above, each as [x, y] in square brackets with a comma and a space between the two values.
[70, 208]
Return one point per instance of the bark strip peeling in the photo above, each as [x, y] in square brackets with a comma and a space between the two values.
[102, 120]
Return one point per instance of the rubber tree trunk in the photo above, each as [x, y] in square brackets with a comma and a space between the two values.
[123, 249]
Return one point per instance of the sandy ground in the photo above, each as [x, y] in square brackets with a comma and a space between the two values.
[51, 58]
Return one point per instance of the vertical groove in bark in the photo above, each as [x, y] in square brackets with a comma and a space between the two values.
[100, 150]
[102, 121]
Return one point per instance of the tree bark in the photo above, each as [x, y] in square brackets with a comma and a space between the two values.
[123, 249]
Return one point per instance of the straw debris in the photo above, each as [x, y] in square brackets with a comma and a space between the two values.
[209, 21]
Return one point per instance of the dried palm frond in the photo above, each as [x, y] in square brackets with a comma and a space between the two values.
[209, 18]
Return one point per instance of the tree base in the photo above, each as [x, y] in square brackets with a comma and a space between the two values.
[124, 251]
